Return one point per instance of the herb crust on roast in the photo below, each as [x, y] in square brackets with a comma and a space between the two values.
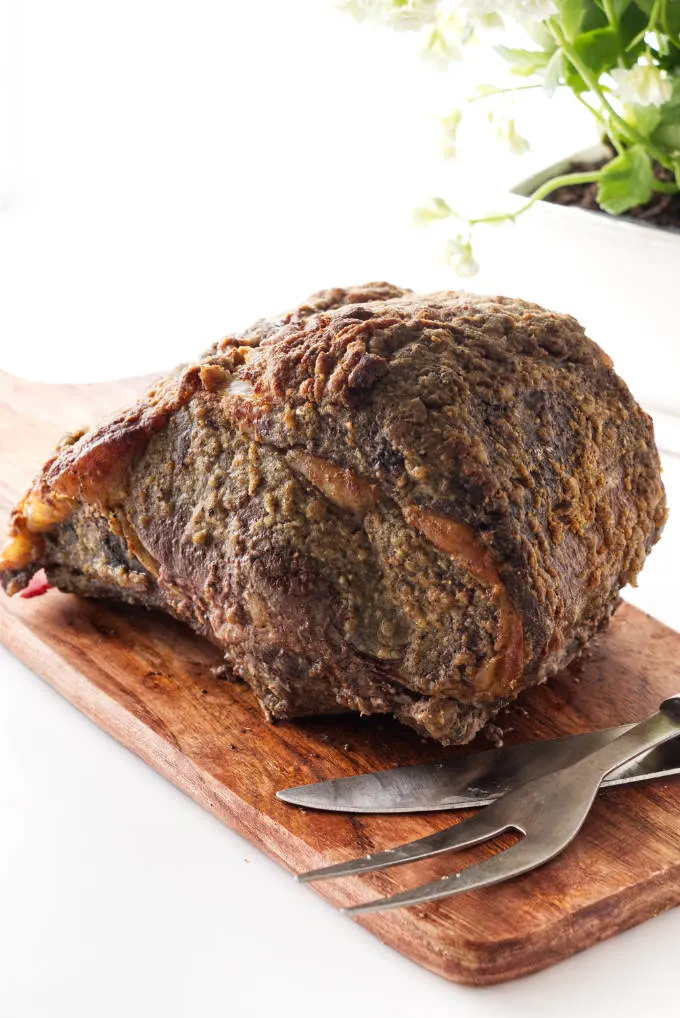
[380, 502]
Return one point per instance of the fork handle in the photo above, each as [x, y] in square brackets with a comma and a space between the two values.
[672, 705]
[654, 731]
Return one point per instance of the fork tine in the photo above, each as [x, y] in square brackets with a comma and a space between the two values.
[463, 834]
[520, 858]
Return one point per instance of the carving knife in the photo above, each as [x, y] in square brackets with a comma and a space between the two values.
[475, 780]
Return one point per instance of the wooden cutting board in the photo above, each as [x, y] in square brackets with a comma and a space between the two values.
[148, 682]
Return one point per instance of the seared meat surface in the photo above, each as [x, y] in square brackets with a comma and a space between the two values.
[381, 502]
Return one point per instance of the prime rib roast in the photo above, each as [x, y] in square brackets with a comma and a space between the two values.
[380, 502]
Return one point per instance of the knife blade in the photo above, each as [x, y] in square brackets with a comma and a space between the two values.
[476, 780]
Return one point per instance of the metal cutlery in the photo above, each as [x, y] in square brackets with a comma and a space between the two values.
[548, 811]
[475, 780]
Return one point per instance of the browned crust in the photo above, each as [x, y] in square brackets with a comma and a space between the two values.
[499, 428]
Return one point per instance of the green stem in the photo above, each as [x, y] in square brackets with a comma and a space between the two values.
[503, 91]
[611, 13]
[665, 187]
[541, 192]
[606, 126]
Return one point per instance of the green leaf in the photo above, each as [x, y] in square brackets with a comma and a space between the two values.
[667, 133]
[669, 120]
[626, 181]
[676, 169]
[524, 62]
[632, 26]
[599, 50]
[672, 20]
[645, 118]
[670, 61]
[668, 136]
[594, 17]
[671, 109]
[571, 16]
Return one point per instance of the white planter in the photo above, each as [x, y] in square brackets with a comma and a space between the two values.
[620, 279]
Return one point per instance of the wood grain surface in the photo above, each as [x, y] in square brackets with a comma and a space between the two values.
[148, 681]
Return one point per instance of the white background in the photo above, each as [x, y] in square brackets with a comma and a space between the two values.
[175, 170]
[168, 172]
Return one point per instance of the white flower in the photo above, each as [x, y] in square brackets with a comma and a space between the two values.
[458, 253]
[435, 209]
[450, 125]
[411, 15]
[483, 7]
[442, 48]
[553, 73]
[533, 10]
[507, 133]
[520, 10]
[490, 20]
[642, 85]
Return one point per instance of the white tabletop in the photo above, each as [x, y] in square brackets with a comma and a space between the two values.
[120, 896]
[168, 172]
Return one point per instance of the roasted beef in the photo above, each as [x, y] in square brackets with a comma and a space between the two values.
[380, 502]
